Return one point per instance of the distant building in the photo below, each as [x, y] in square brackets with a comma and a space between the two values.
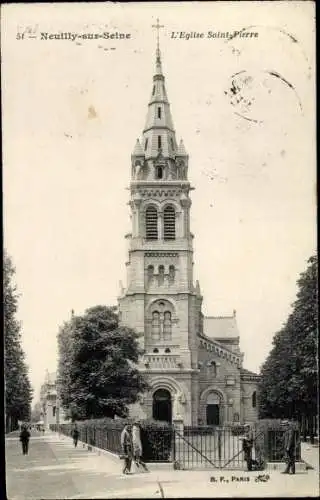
[51, 411]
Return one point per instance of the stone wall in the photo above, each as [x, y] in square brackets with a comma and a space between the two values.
[219, 381]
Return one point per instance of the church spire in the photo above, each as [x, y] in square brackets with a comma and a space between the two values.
[158, 53]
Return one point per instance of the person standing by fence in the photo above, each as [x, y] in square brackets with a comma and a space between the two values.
[24, 438]
[127, 448]
[137, 447]
[247, 445]
[289, 444]
[75, 435]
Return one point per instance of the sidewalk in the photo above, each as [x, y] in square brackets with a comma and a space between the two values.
[55, 469]
[310, 454]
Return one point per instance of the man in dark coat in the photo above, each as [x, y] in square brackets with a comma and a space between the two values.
[289, 444]
[247, 445]
[75, 435]
[24, 438]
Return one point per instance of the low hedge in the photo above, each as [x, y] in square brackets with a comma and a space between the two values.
[156, 437]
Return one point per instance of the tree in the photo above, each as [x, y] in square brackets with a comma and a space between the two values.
[18, 391]
[100, 378]
[288, 385]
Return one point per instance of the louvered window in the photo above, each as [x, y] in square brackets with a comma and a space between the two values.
[151, 223]
[159, 112]
[159, 141]
[169, 222]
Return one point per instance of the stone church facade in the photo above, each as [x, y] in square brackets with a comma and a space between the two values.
[193, 362]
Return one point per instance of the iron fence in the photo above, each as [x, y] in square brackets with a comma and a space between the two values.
[275, 446]
[208, 447]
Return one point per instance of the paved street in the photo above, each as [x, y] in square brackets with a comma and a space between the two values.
[54, 469]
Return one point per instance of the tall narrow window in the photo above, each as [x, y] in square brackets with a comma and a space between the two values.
[159, 172]
[159, 141]
[155, 325]
[171, 274]
[151, 223]
[146, 144]
[169, 223]
[172, 143]
[161, 275]
[150, 273]
[167, 326]
[254, 399]
[159, 112]
[153, 90]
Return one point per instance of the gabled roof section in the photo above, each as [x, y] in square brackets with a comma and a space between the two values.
[220, 327]
[248, 375]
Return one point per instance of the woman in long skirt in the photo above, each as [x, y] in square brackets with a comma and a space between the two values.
[137, 447]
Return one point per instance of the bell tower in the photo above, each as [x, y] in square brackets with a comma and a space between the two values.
[160, 299]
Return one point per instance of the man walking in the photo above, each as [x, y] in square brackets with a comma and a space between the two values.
[75, 435]
[289, 444]
[24, 438]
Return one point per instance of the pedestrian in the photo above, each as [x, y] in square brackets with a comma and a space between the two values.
[75, 435]
[137, 447]
[24, 438]
[289, 445]
[247, 445]
[126, 445]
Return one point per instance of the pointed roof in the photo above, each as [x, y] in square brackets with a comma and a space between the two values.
[220, 327]
[137, 151]
[159, 133]
[181, 149]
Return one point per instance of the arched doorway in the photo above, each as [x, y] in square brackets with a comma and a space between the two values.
[213, 409]
[162, 406]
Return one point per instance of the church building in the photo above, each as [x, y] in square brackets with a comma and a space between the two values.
[193, 363]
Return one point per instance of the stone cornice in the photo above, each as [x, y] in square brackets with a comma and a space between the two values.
[220, 350]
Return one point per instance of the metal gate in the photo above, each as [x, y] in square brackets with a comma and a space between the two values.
[212, 448]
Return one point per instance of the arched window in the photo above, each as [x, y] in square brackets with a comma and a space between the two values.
[254, 399]
[167, 326]
[156, 325]
[150, 272]
[167, 350]
[171, 274]
[161, 275]
[155, 350]
[151, 223]
[169, 223]
[159, 172]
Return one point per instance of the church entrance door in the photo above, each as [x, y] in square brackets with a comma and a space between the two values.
[213, 409]
[213, 414]
[162, 406]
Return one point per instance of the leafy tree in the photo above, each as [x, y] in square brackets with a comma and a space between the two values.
[18, 391]
[288, 385]
[101, 378]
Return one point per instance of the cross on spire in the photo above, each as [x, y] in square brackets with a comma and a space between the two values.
[158, 27]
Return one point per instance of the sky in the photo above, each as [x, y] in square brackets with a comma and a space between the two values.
[72, 111]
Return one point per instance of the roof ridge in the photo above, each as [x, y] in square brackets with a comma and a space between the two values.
[219, 317]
